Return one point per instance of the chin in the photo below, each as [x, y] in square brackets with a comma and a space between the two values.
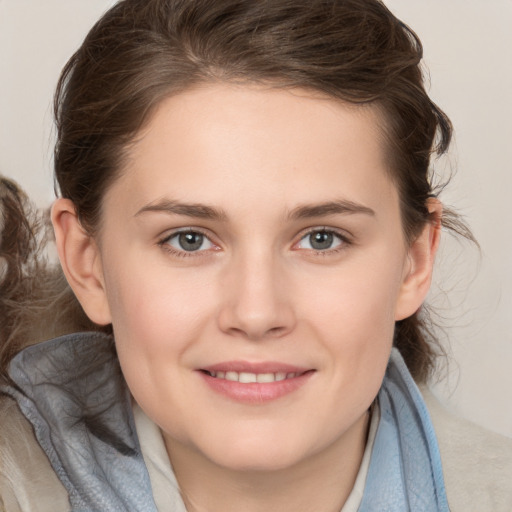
[260, 463]
[262, 455]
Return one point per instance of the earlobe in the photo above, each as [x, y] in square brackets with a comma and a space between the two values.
[418, 272]
[81, 262]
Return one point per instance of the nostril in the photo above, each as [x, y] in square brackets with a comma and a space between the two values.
[256, 316]
[276, 331]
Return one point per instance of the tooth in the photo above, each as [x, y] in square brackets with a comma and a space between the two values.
[231, 376]
[265, 377]
[246, 377]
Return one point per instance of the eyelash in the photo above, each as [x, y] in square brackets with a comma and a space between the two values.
[164, 243]
[343, 238]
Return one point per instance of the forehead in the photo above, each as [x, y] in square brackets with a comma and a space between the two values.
[237, 144]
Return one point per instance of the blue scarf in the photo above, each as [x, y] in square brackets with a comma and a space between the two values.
[98, 459]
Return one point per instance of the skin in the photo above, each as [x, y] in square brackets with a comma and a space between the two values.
[263, 160]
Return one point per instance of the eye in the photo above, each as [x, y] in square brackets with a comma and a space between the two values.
[321, 240]
[188, 241]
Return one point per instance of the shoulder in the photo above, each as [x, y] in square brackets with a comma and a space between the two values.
[477, 463]
[27, 480]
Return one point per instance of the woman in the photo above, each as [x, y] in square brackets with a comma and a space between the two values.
[247, 221]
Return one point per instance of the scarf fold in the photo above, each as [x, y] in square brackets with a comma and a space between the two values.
[72, 391]
[405, 471]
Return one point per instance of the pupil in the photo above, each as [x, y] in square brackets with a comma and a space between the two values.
[321, 240]
[190, 241]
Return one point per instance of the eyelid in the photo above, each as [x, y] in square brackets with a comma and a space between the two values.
[164, 239]
[344, 236]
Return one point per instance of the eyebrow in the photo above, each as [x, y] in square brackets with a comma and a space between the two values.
[200, 211]
[341, 206]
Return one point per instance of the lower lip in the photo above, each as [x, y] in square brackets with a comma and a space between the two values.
[256, 392]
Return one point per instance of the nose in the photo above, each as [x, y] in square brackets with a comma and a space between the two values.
[257, 299]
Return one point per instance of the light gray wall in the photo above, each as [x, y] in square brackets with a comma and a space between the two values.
[468, 49]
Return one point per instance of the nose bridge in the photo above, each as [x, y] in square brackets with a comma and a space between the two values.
[257, 303]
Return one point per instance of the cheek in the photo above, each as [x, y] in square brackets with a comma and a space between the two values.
[357, 299]
[353, 315]
[155, 310]
[156, 321]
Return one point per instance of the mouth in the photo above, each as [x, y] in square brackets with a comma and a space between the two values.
[255, 383]
[248, 377]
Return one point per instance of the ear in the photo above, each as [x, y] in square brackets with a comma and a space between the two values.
[420, 263]
[81, 262]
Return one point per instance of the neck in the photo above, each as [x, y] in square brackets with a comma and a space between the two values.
[320, 483]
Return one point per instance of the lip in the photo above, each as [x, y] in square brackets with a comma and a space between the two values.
[260, 367]
[255, 392]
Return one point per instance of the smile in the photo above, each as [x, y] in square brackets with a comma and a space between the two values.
[254, 383]
[248, 378]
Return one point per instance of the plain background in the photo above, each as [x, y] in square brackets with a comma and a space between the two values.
[468, 52]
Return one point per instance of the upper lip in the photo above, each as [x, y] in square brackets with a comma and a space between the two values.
[260, 367]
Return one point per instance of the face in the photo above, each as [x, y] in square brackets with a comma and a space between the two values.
[253, 263]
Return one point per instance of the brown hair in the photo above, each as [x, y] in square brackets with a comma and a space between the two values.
[35, 301]
[142, 51]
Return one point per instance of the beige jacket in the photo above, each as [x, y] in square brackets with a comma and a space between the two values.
[477, 465]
